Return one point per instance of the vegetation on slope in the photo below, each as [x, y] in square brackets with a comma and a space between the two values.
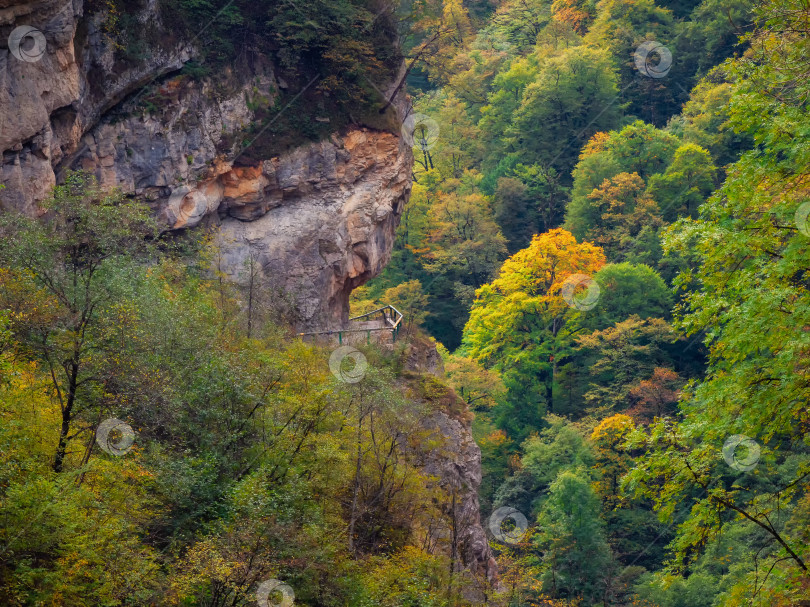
[331, 60]
[614, 253]
[162, 442]
[614, 256]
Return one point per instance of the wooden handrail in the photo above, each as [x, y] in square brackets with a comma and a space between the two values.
[383, 309]
[391, 324]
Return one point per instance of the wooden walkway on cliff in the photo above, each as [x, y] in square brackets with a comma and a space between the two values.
[374, 326]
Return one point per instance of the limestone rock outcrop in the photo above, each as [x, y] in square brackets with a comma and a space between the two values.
[324, 221]
[456, 465]
[49, 101]
[319, 218]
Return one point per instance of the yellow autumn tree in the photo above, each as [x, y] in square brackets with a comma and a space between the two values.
[612, 459]
[518, 322]
[524, 305]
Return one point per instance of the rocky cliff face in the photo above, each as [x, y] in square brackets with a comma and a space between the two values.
[457, 465]
[320, 218]
[56, 87]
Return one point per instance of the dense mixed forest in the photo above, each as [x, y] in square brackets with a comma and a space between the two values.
[608, 234]
[607, 241]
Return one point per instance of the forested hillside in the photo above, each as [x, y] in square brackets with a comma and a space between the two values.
[167, 439]
[608, 234]
[594, 217]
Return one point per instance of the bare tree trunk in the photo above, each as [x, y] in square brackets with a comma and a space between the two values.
[61, 447]
[251, 281]
[356, 489]
[88, 450]
[410, 67]
[67, 412]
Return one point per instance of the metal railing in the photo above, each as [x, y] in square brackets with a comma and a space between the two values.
[388, 316]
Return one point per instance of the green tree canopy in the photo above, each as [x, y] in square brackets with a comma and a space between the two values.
[637, 148]
[627, 289]
[576, 555]
[574, 96]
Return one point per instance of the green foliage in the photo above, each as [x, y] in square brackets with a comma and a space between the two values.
[639, 149]
[513, 214]
[63, 276]
[685, 184]
[412, 577]
[250, 461]
[558, 448]
[518, 324]
[529, 201]
[552, 91]
[449, 242]
[620, 26]
[629, 350]
[581, 80]
[330, 59]
[526, 297]
[704, 121]
[711, 35]
[576, 555]
[410, 300]
[627, 289]
[752, 300]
